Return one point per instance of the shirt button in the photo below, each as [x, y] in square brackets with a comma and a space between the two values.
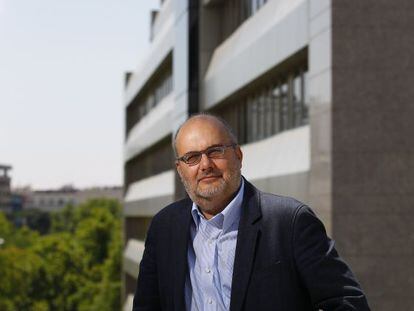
[208, 270]
[210, 301]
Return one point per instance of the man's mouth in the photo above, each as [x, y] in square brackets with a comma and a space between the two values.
[208, 178]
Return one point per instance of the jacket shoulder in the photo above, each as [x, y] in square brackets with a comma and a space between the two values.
[280, 205]
[173, 209]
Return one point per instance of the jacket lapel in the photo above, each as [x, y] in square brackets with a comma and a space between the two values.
[246, 244]
[180, 236]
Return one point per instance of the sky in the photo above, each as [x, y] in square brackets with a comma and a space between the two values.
[62, 66]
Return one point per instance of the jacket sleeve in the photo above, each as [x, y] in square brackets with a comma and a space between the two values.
[147, 291]
[329, 281]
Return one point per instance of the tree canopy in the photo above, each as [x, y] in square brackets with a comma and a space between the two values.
[74, 265]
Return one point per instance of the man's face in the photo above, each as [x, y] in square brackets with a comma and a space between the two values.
[212, 180]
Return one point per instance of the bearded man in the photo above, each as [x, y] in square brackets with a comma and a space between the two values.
[230, 246]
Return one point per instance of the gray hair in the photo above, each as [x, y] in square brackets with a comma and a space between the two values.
[229, 130]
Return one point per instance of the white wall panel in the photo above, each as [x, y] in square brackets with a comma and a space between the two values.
[155, 186]
[318, 6]
[161, 46]
[156, 125]
[132, 256]
[275, 32]
[164, 14]
[282, 154]
[180, 60]
[129, 303]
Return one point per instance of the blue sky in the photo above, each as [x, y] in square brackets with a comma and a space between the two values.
[62, 67]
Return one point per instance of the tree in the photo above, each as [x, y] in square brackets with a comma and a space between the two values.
[19, 270]
[37, 220]
[64, 220]
[61, 273]
[5, 227]
[75, 267]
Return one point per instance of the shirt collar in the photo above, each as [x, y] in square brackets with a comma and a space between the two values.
[226, 217]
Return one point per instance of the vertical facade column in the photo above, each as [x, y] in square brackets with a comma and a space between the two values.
[320, 102]
[185, 68]
[373, 150]
[180, 74]
[180, 62]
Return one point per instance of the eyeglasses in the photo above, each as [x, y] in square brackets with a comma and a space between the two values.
[214, 152]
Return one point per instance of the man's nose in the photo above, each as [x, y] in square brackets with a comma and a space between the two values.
[205, 162]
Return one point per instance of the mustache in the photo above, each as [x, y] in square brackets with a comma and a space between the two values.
[208, 174]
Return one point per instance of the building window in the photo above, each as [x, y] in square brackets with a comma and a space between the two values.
[235, 12]
[272, 107]
[157, 159]
[157, 88]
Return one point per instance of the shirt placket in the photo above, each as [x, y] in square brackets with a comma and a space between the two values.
[209, 243]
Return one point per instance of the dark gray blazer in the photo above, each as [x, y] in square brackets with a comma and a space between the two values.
[284, 260]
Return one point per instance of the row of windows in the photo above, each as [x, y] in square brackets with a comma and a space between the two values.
[235, 12]
[157, 159]
[269, 110]
[150, 98]
[54, 202]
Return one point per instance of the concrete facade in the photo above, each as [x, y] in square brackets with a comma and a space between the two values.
[350, 157]
[372, 149]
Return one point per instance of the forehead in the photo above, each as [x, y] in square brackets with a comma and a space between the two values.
[200, 133]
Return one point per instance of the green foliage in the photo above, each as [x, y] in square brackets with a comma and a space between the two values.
[19, 268]
[75, 267]
[36, 220]
[19, 237]
[5, 226]
[23, 237]
[64, 220]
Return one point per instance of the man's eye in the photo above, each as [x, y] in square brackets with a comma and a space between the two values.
[215, 152]
[192, 157]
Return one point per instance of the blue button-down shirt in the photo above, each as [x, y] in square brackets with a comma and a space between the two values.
[211, 251]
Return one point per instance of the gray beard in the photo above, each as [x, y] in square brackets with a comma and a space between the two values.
[208, 194]
[211, 191]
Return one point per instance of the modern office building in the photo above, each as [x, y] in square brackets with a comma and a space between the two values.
[320, 94]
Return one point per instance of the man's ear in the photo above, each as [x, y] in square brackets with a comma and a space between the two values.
[239, 154]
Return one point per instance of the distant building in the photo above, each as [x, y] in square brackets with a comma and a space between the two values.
[83, 195]
[5, 193]
[49, 200]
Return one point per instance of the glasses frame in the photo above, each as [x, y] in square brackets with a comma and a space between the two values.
[200, 153]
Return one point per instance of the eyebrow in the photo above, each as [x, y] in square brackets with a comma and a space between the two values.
[215, 145]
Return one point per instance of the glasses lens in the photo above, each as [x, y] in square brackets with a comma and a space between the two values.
[192, 158]
[215, 152]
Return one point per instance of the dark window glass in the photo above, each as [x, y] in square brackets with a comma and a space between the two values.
[276, 100]
[305, 103]
[297, 100]
[157, 159]
[235, 12]
[284, 105]
[254, 118]
[157, 89]
[268, 110]
[261, 116]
